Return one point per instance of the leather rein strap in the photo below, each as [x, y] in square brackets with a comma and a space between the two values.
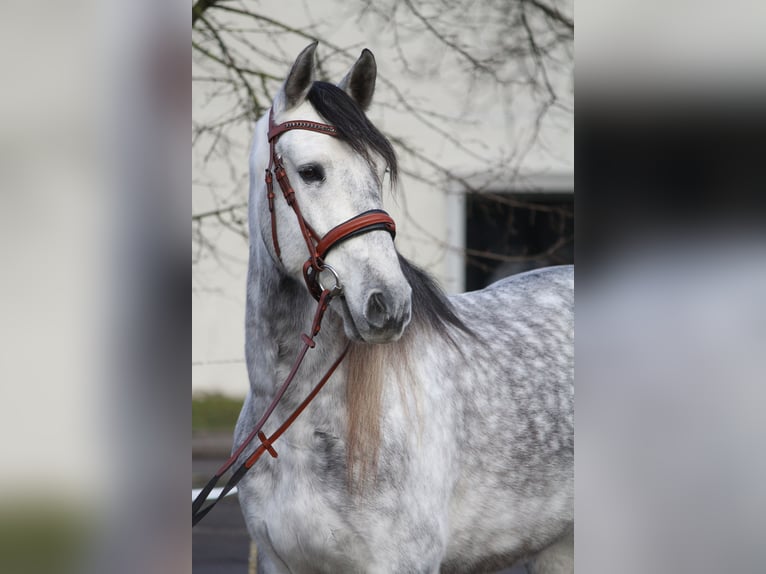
[198, 512]
[318, 247]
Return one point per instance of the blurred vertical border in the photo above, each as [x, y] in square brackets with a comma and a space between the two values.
[94, 296]
[671, 287]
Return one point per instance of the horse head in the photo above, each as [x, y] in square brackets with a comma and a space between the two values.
[335, 177]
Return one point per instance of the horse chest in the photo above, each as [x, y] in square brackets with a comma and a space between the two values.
[299, 525]
[299, 506]
[294, 504]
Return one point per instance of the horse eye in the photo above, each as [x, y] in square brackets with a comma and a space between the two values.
[311, 173]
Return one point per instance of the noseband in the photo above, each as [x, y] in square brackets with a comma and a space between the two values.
[318, 246]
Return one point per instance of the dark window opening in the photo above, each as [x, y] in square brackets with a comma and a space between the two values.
[509, 233]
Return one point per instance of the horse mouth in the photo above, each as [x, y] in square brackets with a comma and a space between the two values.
[349, 325]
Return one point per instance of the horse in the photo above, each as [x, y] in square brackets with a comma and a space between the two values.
[444, 440]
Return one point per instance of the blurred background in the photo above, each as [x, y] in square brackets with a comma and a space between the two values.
[671, 277]
[94, 301]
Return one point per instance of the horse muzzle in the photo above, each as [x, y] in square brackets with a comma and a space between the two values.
[385, 314]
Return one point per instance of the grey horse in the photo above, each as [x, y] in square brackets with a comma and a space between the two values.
[444, 442]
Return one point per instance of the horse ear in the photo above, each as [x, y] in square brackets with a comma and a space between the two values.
[359, 83]
[298, 82]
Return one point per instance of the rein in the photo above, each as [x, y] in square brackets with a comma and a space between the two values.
[318, 247]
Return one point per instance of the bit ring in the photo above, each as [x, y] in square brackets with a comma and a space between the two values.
[336, 289]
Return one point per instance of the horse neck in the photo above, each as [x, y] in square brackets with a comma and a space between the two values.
[279, 310]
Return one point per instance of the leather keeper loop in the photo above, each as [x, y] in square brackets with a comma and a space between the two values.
[267, 444]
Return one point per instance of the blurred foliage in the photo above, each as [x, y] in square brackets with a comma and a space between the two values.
[41, 537]
[214, 412]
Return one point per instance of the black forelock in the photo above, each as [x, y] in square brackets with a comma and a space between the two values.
[341, 111]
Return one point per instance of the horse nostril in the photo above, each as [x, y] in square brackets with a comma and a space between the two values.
[377, 313]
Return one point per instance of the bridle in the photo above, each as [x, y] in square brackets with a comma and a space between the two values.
[318, 247]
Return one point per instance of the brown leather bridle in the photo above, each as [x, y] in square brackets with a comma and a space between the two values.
[318, 247]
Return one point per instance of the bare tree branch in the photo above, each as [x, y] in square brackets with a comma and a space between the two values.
[450, 44]
[199, 8]
[232, 65]
[552, 12]
[218, 212]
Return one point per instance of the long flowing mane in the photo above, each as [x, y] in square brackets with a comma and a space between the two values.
[432, 316]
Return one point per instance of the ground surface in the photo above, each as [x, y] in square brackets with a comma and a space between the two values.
[220, 542]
